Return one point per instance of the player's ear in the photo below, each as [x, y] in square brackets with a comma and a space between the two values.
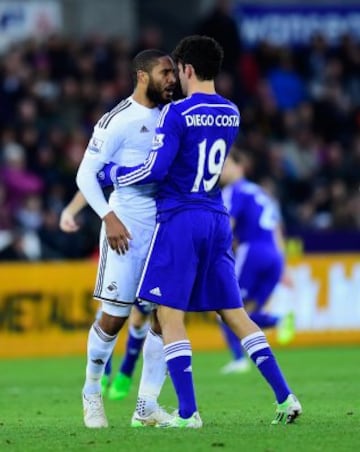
[189, 70]
[143, 77]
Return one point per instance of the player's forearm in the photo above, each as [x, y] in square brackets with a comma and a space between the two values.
[89, 186]
[154, 169]
[77, 203]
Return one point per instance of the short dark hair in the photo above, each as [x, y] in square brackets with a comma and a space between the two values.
[203, 53]
[145, 61]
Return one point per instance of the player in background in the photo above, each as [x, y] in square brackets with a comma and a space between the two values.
[124, 136]
[259, 255]
[190, 266]
[118, 387]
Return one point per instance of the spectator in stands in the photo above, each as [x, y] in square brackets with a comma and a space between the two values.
[286, 85]
[300, 120]
[16, 178]
[220, 25]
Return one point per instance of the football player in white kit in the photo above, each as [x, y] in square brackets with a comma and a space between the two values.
[117, 387]
[123, 136]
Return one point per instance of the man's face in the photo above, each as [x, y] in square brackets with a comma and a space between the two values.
[162, 81]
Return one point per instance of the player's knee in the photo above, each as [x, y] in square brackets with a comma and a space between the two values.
[138, 319]
[154, 323]
[111, 325]
[139, 331]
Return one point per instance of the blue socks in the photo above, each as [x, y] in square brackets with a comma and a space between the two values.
[262, 319]
[178, 357]
[259, 351]
[134, 345]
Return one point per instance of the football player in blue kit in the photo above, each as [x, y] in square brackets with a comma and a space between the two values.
[259, 254]
[190, 265]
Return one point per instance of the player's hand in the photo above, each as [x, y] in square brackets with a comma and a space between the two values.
[67, 222]
[117, 235]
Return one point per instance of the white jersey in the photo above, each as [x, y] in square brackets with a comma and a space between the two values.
[123, 136]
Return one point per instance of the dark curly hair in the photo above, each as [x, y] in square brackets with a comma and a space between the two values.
[203, 53]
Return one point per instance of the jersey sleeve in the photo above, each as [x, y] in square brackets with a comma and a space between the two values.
[104, 142]
[165, 146]
[102, 146]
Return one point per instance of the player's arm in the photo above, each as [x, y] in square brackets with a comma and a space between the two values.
[67, 221]
[234, 203]
[102, 146]
[164, 149]
[227, 193]
[231, 171]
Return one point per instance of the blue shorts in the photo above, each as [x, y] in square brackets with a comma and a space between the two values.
[190, 265]
[259, 267]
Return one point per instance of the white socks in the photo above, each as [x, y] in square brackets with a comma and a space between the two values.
[153, 374]
[99, 348]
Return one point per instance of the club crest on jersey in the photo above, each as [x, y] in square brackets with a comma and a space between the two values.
[95, 145]
[158, 141]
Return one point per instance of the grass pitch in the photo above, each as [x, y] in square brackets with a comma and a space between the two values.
[40, 407]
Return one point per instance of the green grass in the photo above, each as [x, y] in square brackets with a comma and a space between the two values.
[40, 407]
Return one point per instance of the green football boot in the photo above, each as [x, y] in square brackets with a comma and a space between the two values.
[120, 387]
[104, 383]
[288, 411]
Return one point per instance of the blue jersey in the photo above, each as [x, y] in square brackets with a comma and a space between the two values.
[192, 140]
[255, 213]
[259, 262]
[190, 265]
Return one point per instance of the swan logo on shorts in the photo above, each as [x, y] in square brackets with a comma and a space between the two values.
[111, 288]
[95, 145]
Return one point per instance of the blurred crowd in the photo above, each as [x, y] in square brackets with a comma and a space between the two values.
[300, 127]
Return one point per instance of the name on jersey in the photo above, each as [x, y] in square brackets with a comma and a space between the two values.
[198, 120]
[95, 145]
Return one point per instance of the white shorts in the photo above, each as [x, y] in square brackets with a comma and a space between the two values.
[118, 276]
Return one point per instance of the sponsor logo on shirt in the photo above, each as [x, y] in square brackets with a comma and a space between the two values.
[158, 141]
[95, 145]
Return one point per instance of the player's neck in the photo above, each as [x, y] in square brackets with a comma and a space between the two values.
[204, 87]
[142, 99]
